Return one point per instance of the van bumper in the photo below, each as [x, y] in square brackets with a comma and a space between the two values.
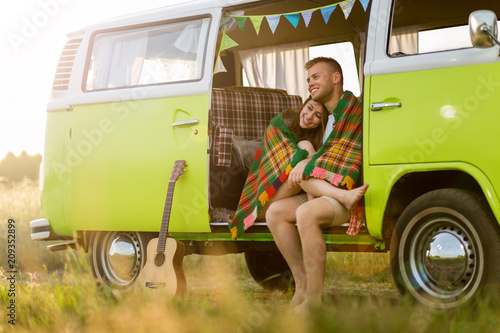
[41, 230]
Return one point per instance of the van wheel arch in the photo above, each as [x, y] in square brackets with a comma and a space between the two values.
[269, 269]
[414, 184]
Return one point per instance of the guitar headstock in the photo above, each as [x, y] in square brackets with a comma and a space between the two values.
[178, 170]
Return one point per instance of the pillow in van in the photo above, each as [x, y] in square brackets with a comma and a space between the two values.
[243, 153]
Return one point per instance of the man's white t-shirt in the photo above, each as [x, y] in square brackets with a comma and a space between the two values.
[329, 127]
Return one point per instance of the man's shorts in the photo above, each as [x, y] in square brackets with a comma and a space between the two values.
[342, 215]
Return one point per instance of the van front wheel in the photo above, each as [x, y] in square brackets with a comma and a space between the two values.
[116, 258]
[445, 248]
[269, 269]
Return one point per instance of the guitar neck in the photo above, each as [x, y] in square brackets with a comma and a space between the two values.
[162, 238]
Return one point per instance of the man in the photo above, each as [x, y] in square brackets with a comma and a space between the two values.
[303, 245]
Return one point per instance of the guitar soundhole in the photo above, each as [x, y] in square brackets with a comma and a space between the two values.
[159, 259]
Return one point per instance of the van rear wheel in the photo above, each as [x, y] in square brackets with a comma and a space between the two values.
[269, 269]
[445, 248]
[116, 258]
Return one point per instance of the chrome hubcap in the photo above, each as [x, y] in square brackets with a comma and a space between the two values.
[120, 258]
[443, 260]
[447, 259]
[123, 256]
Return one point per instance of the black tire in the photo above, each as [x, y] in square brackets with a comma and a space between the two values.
[269, 269]
[116, 258]
[445, 249]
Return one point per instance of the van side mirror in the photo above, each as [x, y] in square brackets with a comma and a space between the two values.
[483, 29]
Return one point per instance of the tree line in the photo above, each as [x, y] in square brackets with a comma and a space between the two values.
[15, 168]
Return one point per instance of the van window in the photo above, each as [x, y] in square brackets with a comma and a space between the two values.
[156, 54]
[342, 52]
[418, 27]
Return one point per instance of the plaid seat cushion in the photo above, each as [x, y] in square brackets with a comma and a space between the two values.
[245, 114]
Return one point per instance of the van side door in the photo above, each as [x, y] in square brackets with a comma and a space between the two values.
[146, 91]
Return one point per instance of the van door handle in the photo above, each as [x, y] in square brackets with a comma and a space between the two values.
[186, 123]
[380, 106]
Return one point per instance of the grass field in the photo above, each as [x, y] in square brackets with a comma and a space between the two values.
[56, 292]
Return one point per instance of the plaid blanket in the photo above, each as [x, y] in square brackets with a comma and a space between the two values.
[338, 162]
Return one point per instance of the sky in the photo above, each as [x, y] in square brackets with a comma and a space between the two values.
[32, 35]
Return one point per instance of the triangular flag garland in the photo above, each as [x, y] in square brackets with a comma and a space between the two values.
[364, 3]
[219, 66]
[256, 21]
[274, 20]
[327, 12]
[294, 17]
[347, 7]
[307, 17]
[227, 43]
[241, 20]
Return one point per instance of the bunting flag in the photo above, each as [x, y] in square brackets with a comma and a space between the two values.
[219, 66]
[241, 20]
[224, 20]
[327, 12]
[273, 22]
[364, 3]
[307, 17]
[227, 43]
[256, 21]
[293, 19]
[347, 7]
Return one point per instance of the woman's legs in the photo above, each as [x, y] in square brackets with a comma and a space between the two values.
[284, 191]
[318, 187]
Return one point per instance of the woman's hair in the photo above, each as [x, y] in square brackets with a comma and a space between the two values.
[315, 135]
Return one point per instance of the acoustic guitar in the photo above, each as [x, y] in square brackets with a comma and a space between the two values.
[163, 269]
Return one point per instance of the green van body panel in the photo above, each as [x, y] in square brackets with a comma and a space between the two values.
[383, 177]
[432, 130]
[141, 138]
[56, 172]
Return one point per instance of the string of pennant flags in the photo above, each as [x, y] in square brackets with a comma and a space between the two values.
[274, 20]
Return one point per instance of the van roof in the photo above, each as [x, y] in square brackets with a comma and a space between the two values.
[171, 10]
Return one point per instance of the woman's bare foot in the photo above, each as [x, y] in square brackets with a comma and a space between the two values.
[351, 198]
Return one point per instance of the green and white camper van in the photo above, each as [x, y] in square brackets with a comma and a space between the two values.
[199, 82]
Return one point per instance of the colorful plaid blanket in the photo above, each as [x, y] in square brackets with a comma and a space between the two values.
[338, 162]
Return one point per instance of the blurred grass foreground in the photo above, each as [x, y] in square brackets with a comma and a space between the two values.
[56, 292]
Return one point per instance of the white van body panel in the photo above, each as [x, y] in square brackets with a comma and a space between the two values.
[74, 95]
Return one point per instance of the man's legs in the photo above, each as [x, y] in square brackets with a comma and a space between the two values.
[312, 217]
[280, 219]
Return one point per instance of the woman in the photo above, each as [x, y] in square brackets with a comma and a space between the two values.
[309, 126]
